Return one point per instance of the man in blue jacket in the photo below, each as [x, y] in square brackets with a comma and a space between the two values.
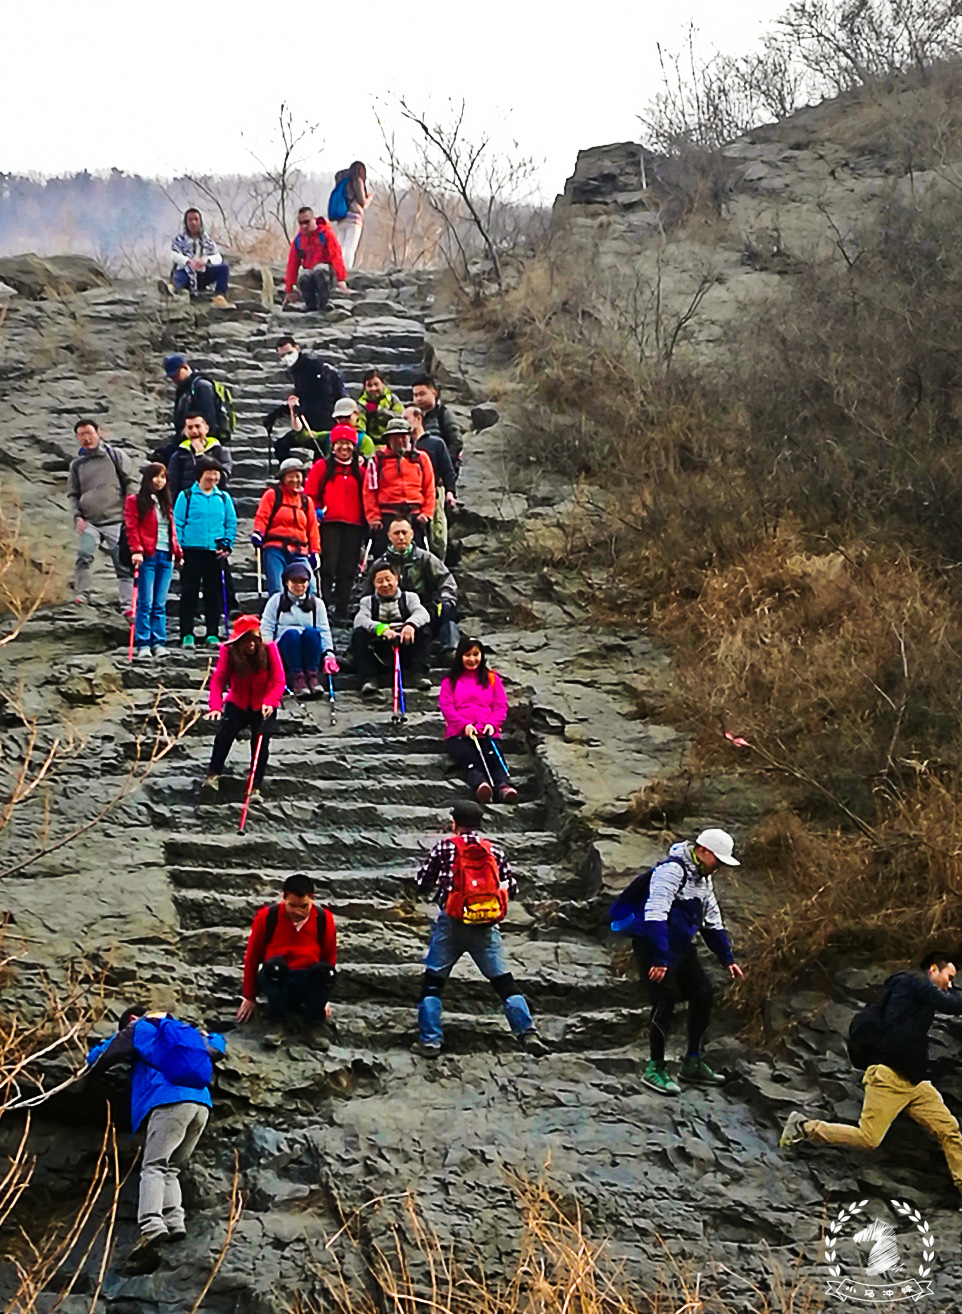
[205, 520]
[174, 1116]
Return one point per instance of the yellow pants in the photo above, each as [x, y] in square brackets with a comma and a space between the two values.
[886, 1096]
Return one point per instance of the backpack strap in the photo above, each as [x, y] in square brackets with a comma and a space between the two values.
[115, 461]
[270, 924]
[278, 498]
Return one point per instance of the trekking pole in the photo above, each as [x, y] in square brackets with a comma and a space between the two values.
[398, 715]
[133, 617]
[330, 689]
[487, 771]
[497, 753]
[250, 780]
[260, 577]
[223, 589]
[365, 556]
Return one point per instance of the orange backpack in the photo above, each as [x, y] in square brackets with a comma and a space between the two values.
[476, 897]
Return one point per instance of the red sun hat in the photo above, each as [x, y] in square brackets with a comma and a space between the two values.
[244, 625]
[344, 433]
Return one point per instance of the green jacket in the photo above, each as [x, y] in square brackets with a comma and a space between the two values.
[420, 571]
[375, 416]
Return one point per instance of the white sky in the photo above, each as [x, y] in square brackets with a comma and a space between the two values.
[169, 88]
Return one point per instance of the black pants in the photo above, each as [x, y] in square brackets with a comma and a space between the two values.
[315, 286]
[306, 989]
[444, 623]
[379, 538]
[466, 754]
[284, 445]
[233, 720]
[685, 981]
[340, 558]
[204, 568]
[374, 656]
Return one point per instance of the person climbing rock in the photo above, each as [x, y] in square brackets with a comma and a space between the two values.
[896, 1058]
[154, 551]
[285, 524]
[205, 523]
[400, 481]
[296, 620]
[317, 388]
[663, 911]
[99, 481]
[474, 705]
[193, 392]
[388, 618]
[377, 405]
[336, 487]
[291, 959]
[246, 689]
[471, 882]
[316, 253]
[198, 443]
[445, 477]
[348, 201]
[426, 394]
[197, 262]
[171, 1071]
[426, 575]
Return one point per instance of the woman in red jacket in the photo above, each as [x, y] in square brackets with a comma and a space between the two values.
[245, 689]
[149, 520]
[335, 486]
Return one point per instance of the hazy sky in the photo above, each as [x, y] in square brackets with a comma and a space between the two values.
[162, 89]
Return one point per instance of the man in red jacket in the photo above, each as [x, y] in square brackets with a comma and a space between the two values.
[291, 957]
[316, 252]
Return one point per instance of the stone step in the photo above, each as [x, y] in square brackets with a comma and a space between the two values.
[388, 880]
[340, 794]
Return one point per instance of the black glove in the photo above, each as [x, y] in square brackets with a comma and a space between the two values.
[222, 544]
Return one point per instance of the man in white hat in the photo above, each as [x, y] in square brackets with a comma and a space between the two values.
[664, 910]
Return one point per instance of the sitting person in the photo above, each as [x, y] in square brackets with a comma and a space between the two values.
[291, 958]
[154, 550]
[400, 481]
[198, 444]
[427, 575]
[336, 487]
[378, 405]
[474, 706]
[445, 477]
[197, 261]
[205, 522]
[285, 524]
[316, 253]
[296, 620]
[246, 689]
[389, 618]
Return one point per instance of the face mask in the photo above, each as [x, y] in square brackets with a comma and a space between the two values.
[288, 358]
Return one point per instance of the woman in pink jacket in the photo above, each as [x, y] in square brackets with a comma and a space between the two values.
[245, 689]
[474, 706]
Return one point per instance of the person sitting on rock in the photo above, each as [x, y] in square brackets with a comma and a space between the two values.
[99, 481]
[197, 262]
[663, 912]
[198, 443]
[400, 481]
[316, 253]
[377, 404]
[474, 705]
[173, 1113]
[317, 388]
[296, 620]
[285, 524]
[205, 523]
[246, 689]
[194, 393]
[427, 575]
[426, 394]
[291, 959]
[389, 618]
[154, 551]
[471, 883]
[336, 487]
[445, 477]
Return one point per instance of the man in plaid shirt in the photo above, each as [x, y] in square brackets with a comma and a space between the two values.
[451, 938]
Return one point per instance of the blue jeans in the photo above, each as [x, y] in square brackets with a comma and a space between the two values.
[300, 651]
[153, 582]
[275, 560]
[216, 274]
[449, 940]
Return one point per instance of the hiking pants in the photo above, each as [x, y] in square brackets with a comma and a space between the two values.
[204, 568]
[153, 583]
[302, 988]
[467, 756]
[173, 1131]
[233, 720]
[340, 559]
[886, 1096]
[216, 274]
[301, 651]
[275, 561]
[449, 940]
[348, 232]
[685, 981]
[87, 544]
[315, 286]
[372, 657]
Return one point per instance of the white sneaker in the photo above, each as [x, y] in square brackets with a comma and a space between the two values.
[142, 652]
[160, 650]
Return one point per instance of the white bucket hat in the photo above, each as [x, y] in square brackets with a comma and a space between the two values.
[721, 844]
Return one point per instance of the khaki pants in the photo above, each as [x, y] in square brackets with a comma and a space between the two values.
[886, 1096]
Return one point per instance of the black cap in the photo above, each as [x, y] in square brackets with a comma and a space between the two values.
[467, 813]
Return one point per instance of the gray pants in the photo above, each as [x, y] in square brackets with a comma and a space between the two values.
[438, 528]
[87, 545]
[173, 1131]
[315, 286]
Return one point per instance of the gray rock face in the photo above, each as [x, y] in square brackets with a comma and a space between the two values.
[37, 278]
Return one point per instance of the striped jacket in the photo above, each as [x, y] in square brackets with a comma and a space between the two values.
[681, 903]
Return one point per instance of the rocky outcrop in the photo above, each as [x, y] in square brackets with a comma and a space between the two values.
[51, 276]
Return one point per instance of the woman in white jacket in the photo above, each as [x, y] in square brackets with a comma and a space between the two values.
[296, 620]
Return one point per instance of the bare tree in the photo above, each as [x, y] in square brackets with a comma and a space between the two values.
[282, 178]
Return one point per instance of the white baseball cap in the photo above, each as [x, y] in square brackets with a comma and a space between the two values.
[344, 406]
[721, 844]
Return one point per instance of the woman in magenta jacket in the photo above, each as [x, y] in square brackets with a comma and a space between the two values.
[246, 688]
[154, 551]
[474, 706]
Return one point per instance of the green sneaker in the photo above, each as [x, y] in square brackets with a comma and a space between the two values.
[657, 1078]
[697, 1072]
[212, 641]
[187, 641]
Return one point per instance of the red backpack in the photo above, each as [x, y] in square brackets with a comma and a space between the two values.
[476, 897]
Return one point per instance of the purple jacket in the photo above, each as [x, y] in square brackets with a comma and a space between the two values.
[472, 703]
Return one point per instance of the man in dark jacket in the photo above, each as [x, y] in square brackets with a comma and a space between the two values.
[424, 574]
[193, 393]
[317, 387]
[182, 468]
[445, 479]
[896, 1080]
[425, 393]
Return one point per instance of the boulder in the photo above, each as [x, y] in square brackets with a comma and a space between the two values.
[38, 278]
[484, 416]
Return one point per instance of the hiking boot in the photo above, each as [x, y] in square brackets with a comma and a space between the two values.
[299, 685]
[697, 1073]
[212, 783]
[792, 1134]
[425, 1050]
[221, 303]
[161, 651]
[368, 688]
[143, 653]
[273, 1039]
[165, 288]
[531, 1042]
[656, 1077]
[143, 1256]
[507, 794]
[311, 677]
[423, 682]
[187, 641]
[314, 1036]
[484, 793]
[212, 641]
[175, 1234]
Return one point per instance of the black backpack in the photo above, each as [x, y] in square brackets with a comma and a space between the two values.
[402, 606]
[866, 1034]
[273, 912]
[278, 498]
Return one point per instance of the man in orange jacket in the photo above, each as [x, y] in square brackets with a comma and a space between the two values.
[285, 526]
[316, 252]
[400, 481]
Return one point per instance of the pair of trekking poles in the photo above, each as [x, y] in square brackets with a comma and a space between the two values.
[477, 739]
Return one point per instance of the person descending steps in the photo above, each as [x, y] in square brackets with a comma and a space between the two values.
[154, 551]
[474, 705]
[296, 620]
[246, 689]
[205, 522]
[198, 444]
[377, 405]
[400, 482]
[285, 525]
[100, 481]
[336, 487]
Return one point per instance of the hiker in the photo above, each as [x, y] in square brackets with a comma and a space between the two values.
[317, 389]
[663, 910]
[426, 574]
[895, 1053]
[347, 411]
[198, 442]
[296, 620]
[316, 252]
[445, 476]
[388, 618]
[336, 487]
[474, 705]
[400, 481]
[377, 403]
[425, 393]
[291, 958]
[205, 523]
[154, 550]
[468, 923]
[100, 480]
[246, 689]
[197, 262]
[346, 206]
[171, 1071]
[285, 524]
[194, 392]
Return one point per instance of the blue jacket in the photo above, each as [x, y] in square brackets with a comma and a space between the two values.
[201, 519]
[681, 903]
[148, 1086]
